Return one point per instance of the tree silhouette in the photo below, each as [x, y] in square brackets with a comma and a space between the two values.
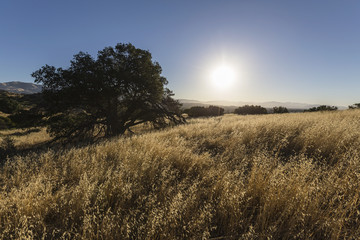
[119, 89]
[280, 109]
[321, 108]
[8, 105]
[250, 109]
[211, 111]
[27, 118]
[354, 106]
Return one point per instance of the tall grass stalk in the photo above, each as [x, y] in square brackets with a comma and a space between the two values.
[289, 176]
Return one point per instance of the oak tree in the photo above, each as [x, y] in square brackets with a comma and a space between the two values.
[121, 88]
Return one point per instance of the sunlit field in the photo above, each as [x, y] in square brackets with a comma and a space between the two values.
[285, 176]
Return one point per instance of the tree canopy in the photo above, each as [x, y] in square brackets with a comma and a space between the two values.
[198, 111]
[355, 106]
[322, 108]
[119, 89]
[8, 105]
[280, 109]
[250, 109]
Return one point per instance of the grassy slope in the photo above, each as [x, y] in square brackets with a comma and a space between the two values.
[281, 176]
[26, 138]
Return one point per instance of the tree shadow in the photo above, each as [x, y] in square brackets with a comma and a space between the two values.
[8, 151]
[23, 133]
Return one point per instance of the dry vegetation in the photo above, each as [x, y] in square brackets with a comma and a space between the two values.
[292, 176]
[26, 138]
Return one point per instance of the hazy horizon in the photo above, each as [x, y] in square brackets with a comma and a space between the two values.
[283, 51]
[217, 101]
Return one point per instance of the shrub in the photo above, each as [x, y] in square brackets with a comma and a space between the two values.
[354, 106]
[250, 109]
[210, 111]
[322, 108]
[280, 109]
[8, 105]
[26, 118]
[6, 123]
[7, 148]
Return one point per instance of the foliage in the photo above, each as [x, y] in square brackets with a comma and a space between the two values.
[354, 106]
[6, 123]
[280, 109]
[8, 105]
[7, 148]
[322, 108]
[25, 110]
[27, 118]
[198, 111]
[122, 88]
[250, 109]
[293, 176]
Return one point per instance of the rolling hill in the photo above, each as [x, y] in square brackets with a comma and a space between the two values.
[20, 87]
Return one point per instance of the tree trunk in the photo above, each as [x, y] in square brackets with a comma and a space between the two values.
[114, 126]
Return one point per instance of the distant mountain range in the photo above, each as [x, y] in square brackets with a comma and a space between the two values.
[230, 106]
[21, 87]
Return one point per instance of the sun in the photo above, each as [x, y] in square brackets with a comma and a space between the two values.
[223, 77]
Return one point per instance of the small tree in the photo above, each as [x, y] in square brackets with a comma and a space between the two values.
[27, 118]
[8, 105]
[7, 148]
[250, 109]
[280, 109]
[216, 111]
[322, 108]
[210, 111]
[354, 106]
[122, 88]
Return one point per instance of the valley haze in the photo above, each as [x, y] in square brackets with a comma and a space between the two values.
[30, 88]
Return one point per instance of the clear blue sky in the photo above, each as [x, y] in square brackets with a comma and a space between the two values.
[299, 51]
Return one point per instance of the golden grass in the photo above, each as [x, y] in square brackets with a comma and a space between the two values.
[291, 176]
[24, 138]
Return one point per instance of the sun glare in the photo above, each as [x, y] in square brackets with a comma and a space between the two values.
[223, 77]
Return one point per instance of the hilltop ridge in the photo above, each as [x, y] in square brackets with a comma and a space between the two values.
[21, 87]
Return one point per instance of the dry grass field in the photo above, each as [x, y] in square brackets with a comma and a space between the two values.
[286, 176]
[26, 138]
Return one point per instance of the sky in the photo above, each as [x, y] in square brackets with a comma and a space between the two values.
[290, 51]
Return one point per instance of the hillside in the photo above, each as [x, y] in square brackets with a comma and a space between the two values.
[289, 176]
[20, 87]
